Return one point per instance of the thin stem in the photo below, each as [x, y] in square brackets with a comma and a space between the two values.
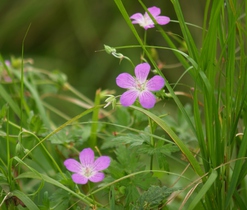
[91, 195]
[22, 80]
[8, 150]
[144, 43]
[151, 141]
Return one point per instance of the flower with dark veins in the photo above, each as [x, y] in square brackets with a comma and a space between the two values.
[145, 20]
[87, 168]
[139, 86]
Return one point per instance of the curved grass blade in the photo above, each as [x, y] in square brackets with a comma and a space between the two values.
[237, 170]
[206, 186]
[9, 100]
[25, 199]
[175, 138]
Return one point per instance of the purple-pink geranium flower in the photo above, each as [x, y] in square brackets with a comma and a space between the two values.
[139, 86]
[87, 168]
[145, 20]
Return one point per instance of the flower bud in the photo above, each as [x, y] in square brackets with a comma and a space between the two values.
[109, 49]
[18, 148]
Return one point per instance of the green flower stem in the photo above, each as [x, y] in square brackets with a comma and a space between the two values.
[151, 141]
[9, 163]
[91, 195]
[144, 43]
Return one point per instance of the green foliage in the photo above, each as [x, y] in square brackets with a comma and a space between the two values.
[154, 197]
[59, 200]
[198, 146]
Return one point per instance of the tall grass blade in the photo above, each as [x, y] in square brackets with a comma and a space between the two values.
[204, 190]
[25, 199]
[184, 149]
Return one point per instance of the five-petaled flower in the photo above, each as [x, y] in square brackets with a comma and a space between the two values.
[139, 86]
[87, 169]
[145, 20]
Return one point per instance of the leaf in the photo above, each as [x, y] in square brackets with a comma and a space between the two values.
[45, 201]
[144, 181]
[124, 155]
[70, 134]
[35, 123]
[153, 197]
[166, 149]
[59, 200]
[58, 77]
[5, 95]
[60, 137]
[132, 195]
[181, 125]
[162, 161]
[131, 139]
[116, 170]
[122, 116]
[25, 199]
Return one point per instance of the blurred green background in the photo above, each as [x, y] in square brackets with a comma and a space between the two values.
[66, 35]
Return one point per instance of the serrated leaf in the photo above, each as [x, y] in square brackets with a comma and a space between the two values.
[70, 134]
[166, 149]
[162, 161]
[59, 200]
[132, 195]
[35, 123]
[144, 181]
[131, 139]
[181, 126]
[60, 138]
[116, 170]
[122, 116]
[153, 197]
[124, 155]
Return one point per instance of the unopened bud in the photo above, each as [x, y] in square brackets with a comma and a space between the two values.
[109, 49]
[18, 148]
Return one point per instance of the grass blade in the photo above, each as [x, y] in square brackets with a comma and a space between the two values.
[206, 186]
[175, 138]
[25, 199]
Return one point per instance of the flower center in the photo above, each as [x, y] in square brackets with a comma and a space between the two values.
[147, 20]
[140, 86]
[87, 172]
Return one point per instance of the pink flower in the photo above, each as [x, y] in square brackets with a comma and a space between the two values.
[139, 86]
[145, 20]
[87, 169]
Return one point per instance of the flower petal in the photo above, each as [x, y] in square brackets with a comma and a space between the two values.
[146, 27]
[125, 80]
[142, 71]
[155, 83]
[102, 163]
[162, 20]
[147, 99]
[72, 165]
[137, 18]
[129, 97]
[86, 157]
[155, 11]
[97, 177]
[79, 179]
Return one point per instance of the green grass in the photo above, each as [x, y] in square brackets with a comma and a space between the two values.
[174, 156]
